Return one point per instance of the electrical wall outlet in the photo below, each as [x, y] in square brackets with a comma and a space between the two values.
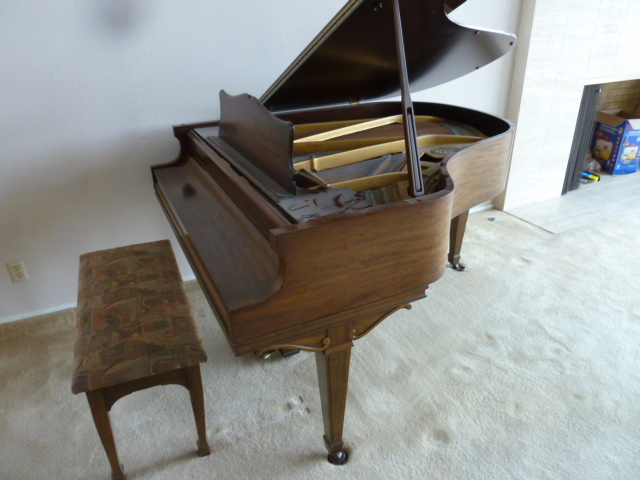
[17, 271]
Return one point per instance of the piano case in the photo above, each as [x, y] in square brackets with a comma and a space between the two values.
[301, 212]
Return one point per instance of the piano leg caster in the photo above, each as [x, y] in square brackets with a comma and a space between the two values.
[458, 267]
[339, 458]
[118, 474]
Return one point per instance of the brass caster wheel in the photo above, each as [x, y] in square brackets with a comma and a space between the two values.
[458, 267]
[339, 458]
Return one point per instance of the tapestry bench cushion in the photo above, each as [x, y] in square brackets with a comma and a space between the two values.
[133, 318]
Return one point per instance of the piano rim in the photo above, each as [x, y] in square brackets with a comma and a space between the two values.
[247, 345]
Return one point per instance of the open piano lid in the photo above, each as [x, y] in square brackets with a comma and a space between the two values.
[354, 58]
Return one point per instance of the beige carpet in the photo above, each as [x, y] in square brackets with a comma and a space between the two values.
[524, 367]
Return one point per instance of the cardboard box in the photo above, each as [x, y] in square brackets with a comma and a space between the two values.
[616, 141]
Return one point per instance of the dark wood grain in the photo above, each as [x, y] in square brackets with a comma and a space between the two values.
[268, 156]
[312, 333]
[479, 172]
[288, 265]
[222, 234]
[101, 420]
[368, 263]
[275, 282]
[252, 203]
[101, 401]
[194, 385]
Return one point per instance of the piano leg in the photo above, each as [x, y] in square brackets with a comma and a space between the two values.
[333, 378]
[456, 234]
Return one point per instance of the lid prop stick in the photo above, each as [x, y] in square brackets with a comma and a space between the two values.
[416, 185]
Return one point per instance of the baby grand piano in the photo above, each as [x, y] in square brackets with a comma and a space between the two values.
[314, 213]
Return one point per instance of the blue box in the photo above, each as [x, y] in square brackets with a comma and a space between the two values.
[616, 142]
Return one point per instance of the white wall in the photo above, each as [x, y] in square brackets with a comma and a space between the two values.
[486, 89]
[571, 44]
[90, 91]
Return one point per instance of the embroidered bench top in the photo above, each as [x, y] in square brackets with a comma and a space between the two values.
[133, 318]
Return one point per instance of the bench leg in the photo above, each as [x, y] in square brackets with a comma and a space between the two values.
[103, 425]
[194, 382]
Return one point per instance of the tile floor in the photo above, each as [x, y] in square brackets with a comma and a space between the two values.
[612, 195]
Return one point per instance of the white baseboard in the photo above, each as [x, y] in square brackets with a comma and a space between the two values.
[44, 311]
[481, 208]
[58, 308]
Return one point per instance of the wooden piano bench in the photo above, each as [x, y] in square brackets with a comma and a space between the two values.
[134, 330]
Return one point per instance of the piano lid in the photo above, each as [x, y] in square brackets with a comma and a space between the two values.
[354, 57]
